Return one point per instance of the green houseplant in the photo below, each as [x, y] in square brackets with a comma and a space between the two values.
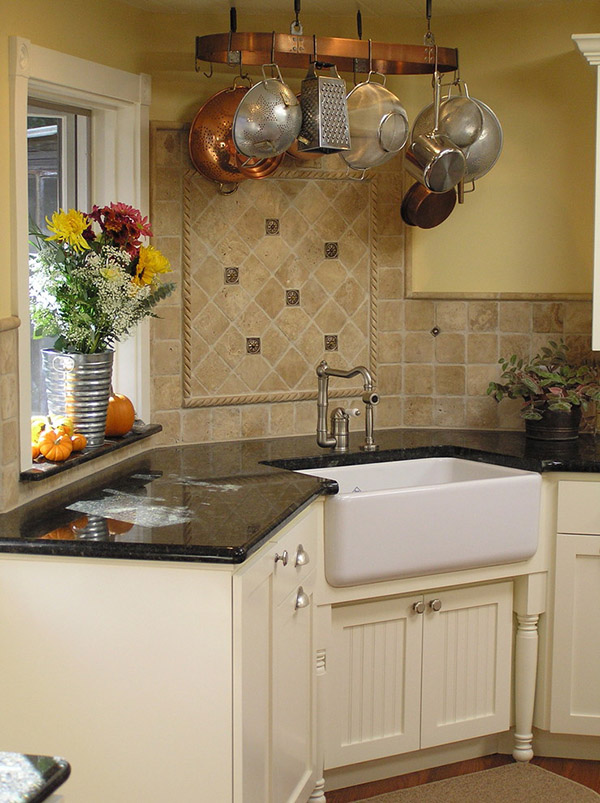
[554, 390]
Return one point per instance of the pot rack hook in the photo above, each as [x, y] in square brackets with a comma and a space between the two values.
[235, 56]
[356, 63]
[429, 38]
[296, 27]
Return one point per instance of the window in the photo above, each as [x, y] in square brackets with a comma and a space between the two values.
[64, 90]
[58, 176]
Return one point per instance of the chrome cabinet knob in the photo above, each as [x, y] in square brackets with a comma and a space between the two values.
[283, 557]
[301, 556]
[302, 599]
[418, 607]
[435, 604]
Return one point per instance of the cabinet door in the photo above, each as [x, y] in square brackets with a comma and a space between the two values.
[575, 706]
[294, 697]
[273, 678]
[373, 681]
[466, 663]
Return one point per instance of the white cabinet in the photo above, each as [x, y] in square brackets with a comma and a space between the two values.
[416, 671]
[164, 680]
[575, 689]
[274, 669]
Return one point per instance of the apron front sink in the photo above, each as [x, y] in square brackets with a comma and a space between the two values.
[417, 517]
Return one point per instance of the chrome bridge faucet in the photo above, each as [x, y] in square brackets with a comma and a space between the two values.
[339, 438]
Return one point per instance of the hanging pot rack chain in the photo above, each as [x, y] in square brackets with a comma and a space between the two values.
[296, 51]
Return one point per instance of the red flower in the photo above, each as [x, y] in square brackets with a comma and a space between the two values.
[123, 225]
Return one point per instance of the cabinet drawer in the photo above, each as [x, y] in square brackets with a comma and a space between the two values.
[294, 553]
[579, 507]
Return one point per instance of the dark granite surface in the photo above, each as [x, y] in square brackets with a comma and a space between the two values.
[218, 502]
[30, 779]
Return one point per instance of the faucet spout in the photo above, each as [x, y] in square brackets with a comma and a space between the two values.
[337, 439]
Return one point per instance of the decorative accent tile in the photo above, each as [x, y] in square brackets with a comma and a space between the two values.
[272, 225]
[331, 342]
[332, 251]
[435, 331]
[232, 275]
[221, 366]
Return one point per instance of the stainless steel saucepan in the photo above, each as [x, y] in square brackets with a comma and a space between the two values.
[433, 158]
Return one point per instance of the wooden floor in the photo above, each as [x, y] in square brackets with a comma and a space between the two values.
[584, 772]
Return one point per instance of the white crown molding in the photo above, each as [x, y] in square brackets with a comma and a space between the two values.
[589, 45]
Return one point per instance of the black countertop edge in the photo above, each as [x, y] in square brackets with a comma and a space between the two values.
[51, 771]
[44, 469]
[205, 553]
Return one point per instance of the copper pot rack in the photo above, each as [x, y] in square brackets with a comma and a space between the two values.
[296, 50]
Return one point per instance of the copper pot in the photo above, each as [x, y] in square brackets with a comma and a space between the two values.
[426, 209]
[211, 146]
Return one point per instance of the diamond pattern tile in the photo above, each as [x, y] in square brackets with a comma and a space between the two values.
[221, 319]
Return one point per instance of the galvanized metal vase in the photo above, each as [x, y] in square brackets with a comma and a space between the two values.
[78, 386]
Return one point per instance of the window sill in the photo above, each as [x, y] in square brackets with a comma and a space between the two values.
[44, 469]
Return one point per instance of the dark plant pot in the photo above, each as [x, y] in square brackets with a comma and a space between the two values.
[556, 425]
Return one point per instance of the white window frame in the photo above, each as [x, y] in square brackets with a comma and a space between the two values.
[119, 102]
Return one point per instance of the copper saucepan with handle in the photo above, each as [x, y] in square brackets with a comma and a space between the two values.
[426, 209]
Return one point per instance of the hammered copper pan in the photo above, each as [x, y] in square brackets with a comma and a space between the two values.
[426, 209]
[211, 146]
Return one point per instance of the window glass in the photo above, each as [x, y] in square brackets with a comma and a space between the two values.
[58, 177]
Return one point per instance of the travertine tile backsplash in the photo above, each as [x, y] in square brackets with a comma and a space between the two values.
[309, 265]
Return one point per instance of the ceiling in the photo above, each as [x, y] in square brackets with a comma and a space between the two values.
[373, 8]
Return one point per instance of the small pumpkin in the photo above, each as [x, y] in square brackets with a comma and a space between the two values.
[55, 445]
[118, 527]
[63, 422]
[39, 423]
[78, 441]
[35, 450]
[120, 415]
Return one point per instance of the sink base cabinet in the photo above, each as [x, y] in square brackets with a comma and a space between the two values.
[417, 671]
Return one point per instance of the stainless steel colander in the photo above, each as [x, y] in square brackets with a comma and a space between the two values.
[268, 118]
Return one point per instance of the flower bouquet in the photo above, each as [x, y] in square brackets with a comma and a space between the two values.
[91, 281]
[90, 288]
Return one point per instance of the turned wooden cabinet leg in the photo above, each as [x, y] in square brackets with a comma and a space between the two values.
[318, 794]
[526, 654]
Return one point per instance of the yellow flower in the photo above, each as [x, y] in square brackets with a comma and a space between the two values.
[150, 263]
[68, 227]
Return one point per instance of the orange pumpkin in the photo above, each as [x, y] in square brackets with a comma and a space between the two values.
[55, 445]
[60, 534]
[35, 450]
[120, 415]
[117, 527]
[78, 441]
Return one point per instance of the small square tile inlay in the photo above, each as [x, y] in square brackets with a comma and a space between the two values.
[272, 225]
[292, 298]
[253, 345]
[331, 342]
[331, 251]
[232, 275]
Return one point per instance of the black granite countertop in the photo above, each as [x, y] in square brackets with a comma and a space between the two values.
[218, 502]
[30, 779]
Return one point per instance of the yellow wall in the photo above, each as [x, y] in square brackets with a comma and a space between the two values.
[107, 32]
[528, 227]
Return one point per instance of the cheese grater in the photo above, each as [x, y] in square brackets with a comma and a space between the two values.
[324, 111]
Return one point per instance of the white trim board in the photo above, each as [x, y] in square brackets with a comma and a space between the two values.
[119, 102]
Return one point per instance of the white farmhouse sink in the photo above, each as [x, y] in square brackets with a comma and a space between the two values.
[417, 517]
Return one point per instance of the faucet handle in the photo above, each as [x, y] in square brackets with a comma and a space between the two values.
[351, 412]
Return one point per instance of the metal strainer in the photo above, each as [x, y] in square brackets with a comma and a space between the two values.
[268, 118]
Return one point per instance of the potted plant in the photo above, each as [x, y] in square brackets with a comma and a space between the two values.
[91, 281]
[554, 391]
